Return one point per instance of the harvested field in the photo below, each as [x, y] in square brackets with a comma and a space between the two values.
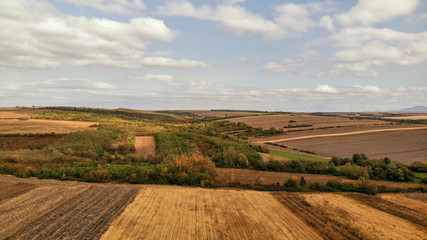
[42, 126]
[145, 145]
[368, 221]
[404, 199]
[169, 212]
[317, 218]
[280, 121]
[11, 189]
[246, 176]
[404, 146]
[63, 212]
[399, 210]
[15, 113]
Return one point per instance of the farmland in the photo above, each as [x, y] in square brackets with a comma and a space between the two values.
[145, 145]
[49, 209]
[8, 126]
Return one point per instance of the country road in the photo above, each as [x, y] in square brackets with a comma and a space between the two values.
[340, 134]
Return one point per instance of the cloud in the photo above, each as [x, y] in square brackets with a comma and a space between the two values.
[327, 23]
[70, 83]
[324, 88]
[120, 7]
[276, 68]
[154, 78]
[363, 50]
[368, 89]
[289, 19]
[35, 35]
[294, 64]
[369, 12]
[171, 63]
[295, 18]
[243, 60]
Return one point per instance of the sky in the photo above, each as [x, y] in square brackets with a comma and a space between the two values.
[329, 55]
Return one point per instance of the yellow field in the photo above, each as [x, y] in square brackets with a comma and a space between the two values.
[400, 199]
[170, 212]
[42, 126]
[369, 221]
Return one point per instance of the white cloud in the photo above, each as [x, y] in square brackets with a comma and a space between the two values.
[276, 68]
[163, 53]
[368, 89]
[120, 7]
[363, 50]
[295, 18]
[243, 60]
[327, 23]
[154, 78]
[324, 88]
[289, 19]
[233, 18]
[294, 64]
[369, 12]
[35, 35]
[171, 63]
[70, 83]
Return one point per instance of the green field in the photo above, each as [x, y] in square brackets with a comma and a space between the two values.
[419, 176]
[294, 156]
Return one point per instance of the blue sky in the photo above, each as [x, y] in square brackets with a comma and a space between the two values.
[365, 55]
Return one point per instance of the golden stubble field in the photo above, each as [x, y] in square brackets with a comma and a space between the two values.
[49, 209]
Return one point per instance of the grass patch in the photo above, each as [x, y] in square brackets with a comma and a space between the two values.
[419, 176]
[294, 156]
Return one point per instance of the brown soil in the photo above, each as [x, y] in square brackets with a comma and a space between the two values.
[370, 222]
[171, 212]
[85, 216]
[145, 145]
[11, 190]
[9, 113]
[418, 217]
[219, 113]
[246, 176]
[404, 146]
[316, 217]
[42, 126]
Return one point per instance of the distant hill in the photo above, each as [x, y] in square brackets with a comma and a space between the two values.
[414, 109]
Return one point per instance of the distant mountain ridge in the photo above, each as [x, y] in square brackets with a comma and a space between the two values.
[414, 109]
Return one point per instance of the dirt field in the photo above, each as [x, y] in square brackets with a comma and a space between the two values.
[51, 209]
[58, 211]
[404, 146]
[145, 145]
[170, 212]
[246, 176]
[366, 220]
[279, 121]
[41, 126]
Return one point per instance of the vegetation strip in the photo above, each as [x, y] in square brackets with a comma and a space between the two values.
[341, 134]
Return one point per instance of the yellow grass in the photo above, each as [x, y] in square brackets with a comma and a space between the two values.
[42, 126]
[400, 199]
[170, 212]
[145, 145]
[371, 222]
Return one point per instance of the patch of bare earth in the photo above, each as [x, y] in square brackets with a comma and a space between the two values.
[418, 203]
[370, 222]
[171, 212]
[145, 145]
[11, 189]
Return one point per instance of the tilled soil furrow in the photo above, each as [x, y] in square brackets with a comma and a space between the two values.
[14, 190]
[392, 208]
[327, 227]
[85, 216]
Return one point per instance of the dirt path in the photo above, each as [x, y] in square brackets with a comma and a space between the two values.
[340, 134]
[145, 145]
